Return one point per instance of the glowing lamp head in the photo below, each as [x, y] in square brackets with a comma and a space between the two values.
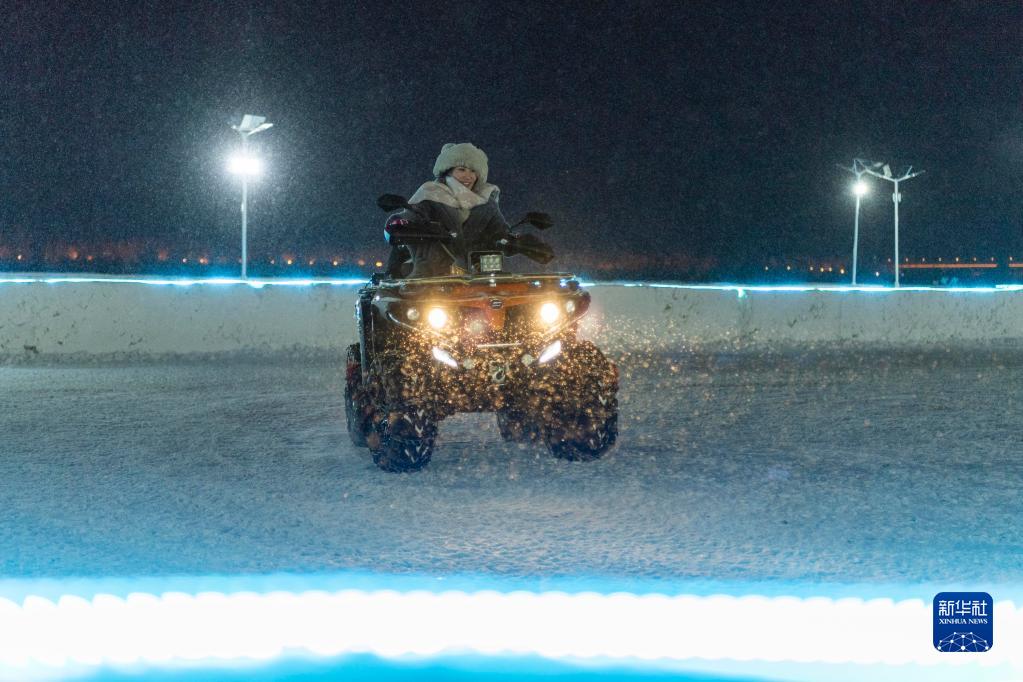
[860, 188]
[412, 314]
[437, 318]
[549, 313]
[248, 166]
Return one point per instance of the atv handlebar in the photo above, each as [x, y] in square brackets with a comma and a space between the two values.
[418, 233]
[526, 245]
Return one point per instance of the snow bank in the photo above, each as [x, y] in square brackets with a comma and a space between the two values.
[765, 318]
[62, 318]
[146, 318]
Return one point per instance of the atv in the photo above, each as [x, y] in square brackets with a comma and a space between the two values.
[484, 341]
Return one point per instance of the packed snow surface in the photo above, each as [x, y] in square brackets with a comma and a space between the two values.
[815, 466]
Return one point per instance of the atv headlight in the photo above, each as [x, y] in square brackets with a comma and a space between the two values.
[569, 307]
[549, 313]
[412, 314]
[437, 318]
[441, 355]
[549, 353]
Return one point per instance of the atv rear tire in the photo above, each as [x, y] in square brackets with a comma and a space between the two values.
[516, 427]
[583, 422]
[582, 437]
[406, 436]
[358, 407]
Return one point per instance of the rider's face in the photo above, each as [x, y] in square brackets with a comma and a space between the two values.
[466, 176]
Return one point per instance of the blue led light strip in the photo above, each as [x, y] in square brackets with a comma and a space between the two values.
[216, 281]
[740, 289]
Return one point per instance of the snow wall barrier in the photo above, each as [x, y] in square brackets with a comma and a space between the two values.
[62, 318]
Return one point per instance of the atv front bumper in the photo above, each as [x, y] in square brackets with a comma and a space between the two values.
[483, 379]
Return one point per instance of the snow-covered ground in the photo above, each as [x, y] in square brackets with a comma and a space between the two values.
[820, 467]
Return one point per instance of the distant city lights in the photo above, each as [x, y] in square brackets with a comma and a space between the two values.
[124, 258]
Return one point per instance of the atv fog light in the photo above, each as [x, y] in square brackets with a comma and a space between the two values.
[437, 318]
[550, 352]
[569, 307]
[441, 355]
[549, 313]
[412, 314]
[490, 262]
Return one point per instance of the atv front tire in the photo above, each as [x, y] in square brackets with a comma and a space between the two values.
[406, 436]
[358, 407]
[583, 421]
[582, 437]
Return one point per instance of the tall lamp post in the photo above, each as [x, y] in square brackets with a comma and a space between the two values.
[859, 189]
[886, 174]
[247, 166]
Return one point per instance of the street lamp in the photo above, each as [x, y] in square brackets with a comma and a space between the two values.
[886, 174]
[247, 166]
[859, 189]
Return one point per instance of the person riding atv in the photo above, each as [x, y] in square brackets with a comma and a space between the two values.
[453, 331]
[459, 202]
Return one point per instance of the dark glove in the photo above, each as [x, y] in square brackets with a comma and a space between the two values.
[531, 247]
[403, 231]
[393, 225]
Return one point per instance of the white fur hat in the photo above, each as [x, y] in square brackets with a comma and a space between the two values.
[462, 154]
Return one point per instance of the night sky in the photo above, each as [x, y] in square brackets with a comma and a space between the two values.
[686, 127]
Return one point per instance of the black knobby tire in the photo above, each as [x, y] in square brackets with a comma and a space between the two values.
[358, 407]
[516, 427]
[406, 434]
[583, 422]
